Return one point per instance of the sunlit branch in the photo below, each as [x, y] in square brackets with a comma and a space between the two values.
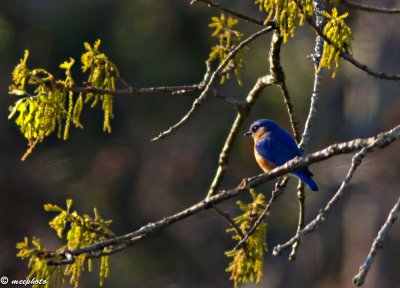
[131, 91]
[323, 214]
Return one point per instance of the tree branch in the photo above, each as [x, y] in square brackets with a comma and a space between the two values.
[378, 74]
[323, 214]
[232, 12]
[210, 82]
[305, 138]
[228, 218]
[359, 279]
[369, 8]
[316, 57]
[346, 56]
[379, 141]
[277, 71]
[278, 74]
[251, 98]
[301, 199]
[279, 187]
[130, 91]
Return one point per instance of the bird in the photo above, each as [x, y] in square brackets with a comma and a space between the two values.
[273, 147]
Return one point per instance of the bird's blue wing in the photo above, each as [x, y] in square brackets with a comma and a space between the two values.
[278, 147]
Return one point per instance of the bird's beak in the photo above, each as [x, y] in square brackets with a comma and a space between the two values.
[247, 133]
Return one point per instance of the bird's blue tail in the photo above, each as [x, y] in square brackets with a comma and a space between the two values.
[307, 180]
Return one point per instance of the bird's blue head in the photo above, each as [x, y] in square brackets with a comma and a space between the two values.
[260, 127]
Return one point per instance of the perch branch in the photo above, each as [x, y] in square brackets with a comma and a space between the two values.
[379, 141]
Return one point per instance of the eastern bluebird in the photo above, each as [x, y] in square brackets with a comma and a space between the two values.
[273, 147]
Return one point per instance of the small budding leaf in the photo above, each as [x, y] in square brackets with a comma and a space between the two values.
[286, 13]
[228, 39]
[103, 74]
[247, 262]
[339, 35]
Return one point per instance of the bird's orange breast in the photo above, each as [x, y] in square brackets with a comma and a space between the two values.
[265, 165]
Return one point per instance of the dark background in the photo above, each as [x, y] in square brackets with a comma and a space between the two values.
[133, 181]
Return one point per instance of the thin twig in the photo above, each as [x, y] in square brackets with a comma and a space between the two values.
[225, 152]
[377, 74]
[130, 91]
[210, 82]
[283, 184]
[251, 98]
[305, 138]
[276, 70]
[289, 107]
[228, 218]
[301, 198]
[279, 77]
[378, 141]
[234, 102]
[346, 56]
[323, 214]
[278, 190]
[243, 110]
[370, 8]
[232, 12]
[359, 279]
[316, 57]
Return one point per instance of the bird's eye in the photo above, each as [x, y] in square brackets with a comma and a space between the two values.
[254, 128]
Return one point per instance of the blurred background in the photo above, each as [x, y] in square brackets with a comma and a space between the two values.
[133, 181]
